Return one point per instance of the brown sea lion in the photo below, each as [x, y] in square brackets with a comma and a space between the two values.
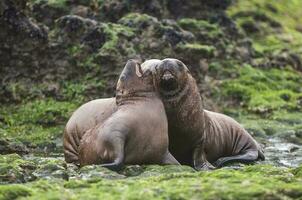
[84, 118]
[87, 116]
[198, 137]
[137, 132]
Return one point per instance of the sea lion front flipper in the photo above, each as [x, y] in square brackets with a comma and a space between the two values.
[115, 166]
[199, 160]
[247, 157]
[118, 144]
[169, 159]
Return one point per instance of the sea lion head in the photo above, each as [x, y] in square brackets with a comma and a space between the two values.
[171, 77]
[133, 81]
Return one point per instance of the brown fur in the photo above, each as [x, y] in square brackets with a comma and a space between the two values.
[86, 117]
[198, 137]
[137, 133]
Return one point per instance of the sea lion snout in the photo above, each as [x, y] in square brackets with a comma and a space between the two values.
[167, 75]
[168, 81]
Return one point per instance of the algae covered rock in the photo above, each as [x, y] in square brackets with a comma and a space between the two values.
[9, 192]
[14, 169]
[48, 168]
[258, 181]
[97, 172]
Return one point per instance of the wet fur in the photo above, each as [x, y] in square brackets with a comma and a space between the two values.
[198, 137]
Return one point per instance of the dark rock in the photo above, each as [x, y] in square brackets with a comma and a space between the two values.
[47, 13]
[8, 147]
[72, 28]
[94, 38]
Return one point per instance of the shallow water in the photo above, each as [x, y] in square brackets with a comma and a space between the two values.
[281, 153]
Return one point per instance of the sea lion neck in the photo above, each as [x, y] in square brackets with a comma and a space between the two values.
[185, 108]
[122, 99]
[187, 94]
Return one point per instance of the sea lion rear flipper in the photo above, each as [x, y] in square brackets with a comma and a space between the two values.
[247, 157]
[169, 159]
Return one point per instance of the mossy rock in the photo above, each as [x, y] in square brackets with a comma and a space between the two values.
[298, 172]
[258, 181]
[47, 11]
[50, 168]
[196, 50]
[138, 21]
[11, 192]
[31, 123]
[264, 91]
[202, 29]
[96, 172]
[13, 169]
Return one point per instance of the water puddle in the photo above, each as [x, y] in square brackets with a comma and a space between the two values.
[281, 153]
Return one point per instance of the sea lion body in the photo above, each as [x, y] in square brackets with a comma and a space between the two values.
[198, 137]
[143, 124]
[87, 116]
[136, 133]
[225, 137]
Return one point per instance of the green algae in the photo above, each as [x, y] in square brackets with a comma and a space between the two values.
[203, 29]
[33, 122]
[116, 44]
[258, 181]
[152, 182]
[269, 36]
[11, 192]
[137, 20]
[264, 90]
[52, 3]
[14, 169]
[204, 51]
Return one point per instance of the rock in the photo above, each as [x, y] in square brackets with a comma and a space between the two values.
[8, 147]
[72, 28]
[13, 169]
[98, 172]
[155, 170]
[47, 11]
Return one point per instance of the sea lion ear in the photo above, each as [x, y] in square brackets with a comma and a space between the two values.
[138, 70]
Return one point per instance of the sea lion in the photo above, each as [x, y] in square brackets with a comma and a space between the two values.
[87, 116]
[84, 118]
[198, 137]
[137, 132]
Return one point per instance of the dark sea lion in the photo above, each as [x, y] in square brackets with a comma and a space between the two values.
[198, 137]
[87, 116]
[137, 132]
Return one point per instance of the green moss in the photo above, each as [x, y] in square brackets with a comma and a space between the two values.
[266, 15]
[258, 181]
[298, 172]
[200, 26]
[264, 90]
[11, 192]
[13, 169]
[34, 121]
[116, 44]
[197, 49]
[53, 3]
[137, 20]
